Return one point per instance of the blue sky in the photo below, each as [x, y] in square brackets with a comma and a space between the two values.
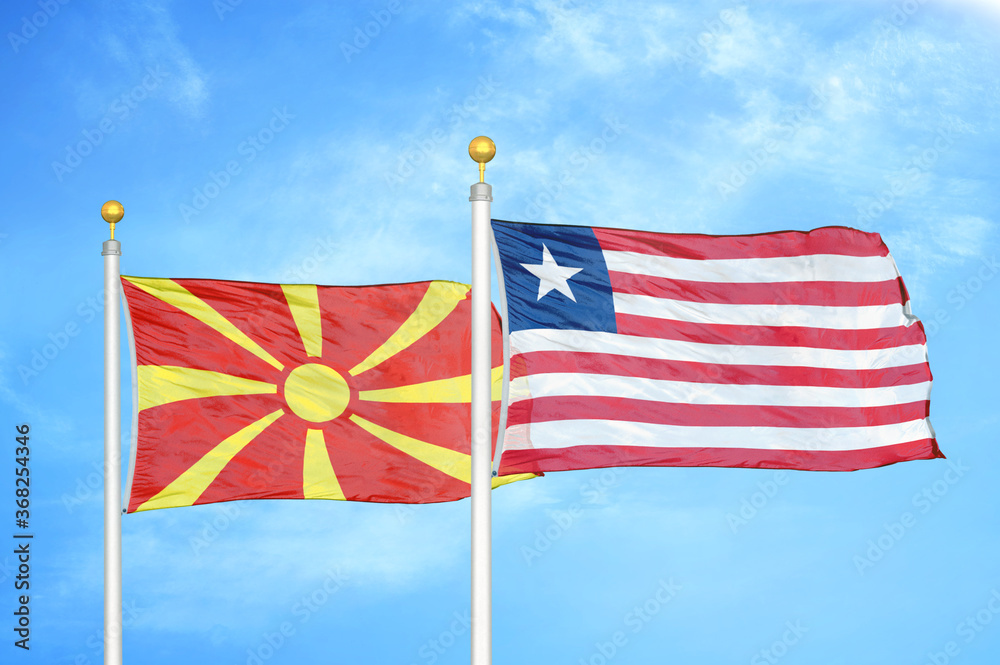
[280, 142]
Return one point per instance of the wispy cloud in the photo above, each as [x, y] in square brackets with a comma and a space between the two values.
[183, 556]
[747, 46]
[25, 407]
[147, 36]
[964, 236]
[580, 39]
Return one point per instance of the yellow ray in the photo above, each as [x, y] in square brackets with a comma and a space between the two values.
[174, 294]
[455, 464]
[164, 384]
[191, 484]
[319, 481]
[303, 300]
[439, 301]
[456, 390]
[513, 478]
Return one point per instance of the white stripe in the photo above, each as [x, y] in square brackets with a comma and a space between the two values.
[811, 268]
[525, 341]
[570, 433]
[686, 392]
[808, 316]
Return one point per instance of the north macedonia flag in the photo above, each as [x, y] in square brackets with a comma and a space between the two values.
[296, 391]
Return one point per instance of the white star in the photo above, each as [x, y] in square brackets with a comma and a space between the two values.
[552, 275]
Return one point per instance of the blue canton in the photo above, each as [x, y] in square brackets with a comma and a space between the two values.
[570, 247]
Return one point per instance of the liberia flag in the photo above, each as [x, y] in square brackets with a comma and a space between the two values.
[791, 350]
[295, 391]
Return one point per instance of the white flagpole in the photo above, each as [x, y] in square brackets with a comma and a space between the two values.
[481, 149]
[112, 212]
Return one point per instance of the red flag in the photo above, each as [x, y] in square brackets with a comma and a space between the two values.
[268, 391]
[784, 350]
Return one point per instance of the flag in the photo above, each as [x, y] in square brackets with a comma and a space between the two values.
[791, 350]
[290, 391]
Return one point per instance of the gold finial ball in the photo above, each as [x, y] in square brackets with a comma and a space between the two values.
[112, 212]
[482, 149]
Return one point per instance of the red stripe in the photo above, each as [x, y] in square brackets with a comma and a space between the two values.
[827, 294]
[597, 457]
[828, 240]
[546, 362]
[723, 333]
[550, 409]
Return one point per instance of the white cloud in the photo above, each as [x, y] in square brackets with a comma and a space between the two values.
[934, 249]
[264, 556]
[746, 45]
[147, 37]
[578, 35]
[579, 39]
[963, 236]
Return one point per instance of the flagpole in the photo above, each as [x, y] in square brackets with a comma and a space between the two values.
[481, 149]
[112, 212]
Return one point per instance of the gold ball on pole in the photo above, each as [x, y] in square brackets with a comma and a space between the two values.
[112, 212]
[482, 149]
